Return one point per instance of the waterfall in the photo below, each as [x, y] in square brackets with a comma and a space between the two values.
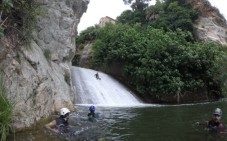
[104, 91]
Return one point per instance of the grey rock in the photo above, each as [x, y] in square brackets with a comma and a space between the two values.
[38, 78]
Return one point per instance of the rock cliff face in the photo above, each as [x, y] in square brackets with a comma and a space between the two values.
[211, 25]
[38, 78]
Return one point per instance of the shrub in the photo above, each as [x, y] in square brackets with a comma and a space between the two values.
[18, 17]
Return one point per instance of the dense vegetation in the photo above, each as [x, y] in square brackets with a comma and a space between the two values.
[158, 51]
[18, 19]
[160, 63]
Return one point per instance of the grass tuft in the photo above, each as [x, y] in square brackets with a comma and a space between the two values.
[6, 108]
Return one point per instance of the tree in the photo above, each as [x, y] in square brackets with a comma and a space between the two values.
[19, 17]
[173, 17]
[126, 17]
[137, 4]
[153, 11]
[88, 35]
[158, 63]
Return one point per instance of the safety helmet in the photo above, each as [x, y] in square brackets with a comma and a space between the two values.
[64, 111]
[217, 111]
[92, 108]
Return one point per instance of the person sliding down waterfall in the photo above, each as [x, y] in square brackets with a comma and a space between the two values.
[97, 76]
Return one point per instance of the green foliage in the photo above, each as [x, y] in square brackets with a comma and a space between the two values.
[174, 16]
[126, 17]
[87, 35]
[160, 63]
[168, 15]
[154, 10]
[19, 17]
[30, 12]
[6, 5]
[111, 38]
[133, 17]
[137, 4]
[6, 108]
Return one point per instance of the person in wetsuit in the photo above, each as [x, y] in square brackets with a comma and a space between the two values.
[60, 124]
[214, 125]
[97, 76]
[92, 111]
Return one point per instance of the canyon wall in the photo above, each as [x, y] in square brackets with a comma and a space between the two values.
[38, 76]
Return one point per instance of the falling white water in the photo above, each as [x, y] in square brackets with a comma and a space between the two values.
[107, 91]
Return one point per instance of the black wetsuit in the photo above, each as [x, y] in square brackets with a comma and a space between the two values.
[62, 125]
[91, 114]
[215, 126]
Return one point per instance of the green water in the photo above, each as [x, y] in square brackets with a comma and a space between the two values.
[151, 123]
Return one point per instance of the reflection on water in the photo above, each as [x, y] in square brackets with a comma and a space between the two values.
[155, 123]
